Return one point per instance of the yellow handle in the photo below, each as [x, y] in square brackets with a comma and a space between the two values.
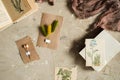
[49, 29]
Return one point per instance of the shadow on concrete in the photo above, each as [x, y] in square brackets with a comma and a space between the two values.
[79, 44]
[96, 20]
[69, 6]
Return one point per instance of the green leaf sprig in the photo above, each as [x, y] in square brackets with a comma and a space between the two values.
[44, 28]
[66, 74]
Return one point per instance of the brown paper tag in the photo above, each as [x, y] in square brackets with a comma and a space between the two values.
[53, 37]
[33, 54]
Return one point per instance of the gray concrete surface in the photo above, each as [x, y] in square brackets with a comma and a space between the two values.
[71, 40]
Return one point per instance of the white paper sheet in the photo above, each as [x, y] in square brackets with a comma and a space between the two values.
[4, 16]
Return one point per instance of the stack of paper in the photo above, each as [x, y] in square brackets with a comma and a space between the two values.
[112, 47]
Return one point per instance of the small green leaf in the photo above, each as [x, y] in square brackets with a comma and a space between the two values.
[60, 71]
[54, 25]
[43, 30]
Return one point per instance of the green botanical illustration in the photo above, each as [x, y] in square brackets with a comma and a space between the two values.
[66, 74]
[95, 57]
[89, 54]
[96, 60]
[17, 5]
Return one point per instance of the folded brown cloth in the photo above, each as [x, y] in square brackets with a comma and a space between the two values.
[86, 8]
[110, 9]
[111, 18]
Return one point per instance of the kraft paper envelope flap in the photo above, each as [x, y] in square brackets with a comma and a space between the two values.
[14, 14]
[54, 37]
[33, 53]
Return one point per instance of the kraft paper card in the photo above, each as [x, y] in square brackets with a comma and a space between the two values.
[53, 38]
[32, 54]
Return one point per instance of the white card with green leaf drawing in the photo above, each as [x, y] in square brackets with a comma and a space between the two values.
[63, 73]
[95, 52]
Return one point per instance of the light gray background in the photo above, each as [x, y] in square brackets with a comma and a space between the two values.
[72, 33]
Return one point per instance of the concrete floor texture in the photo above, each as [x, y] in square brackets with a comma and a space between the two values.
[67, 55]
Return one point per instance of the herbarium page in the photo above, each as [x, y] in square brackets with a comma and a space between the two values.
[16, 8]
